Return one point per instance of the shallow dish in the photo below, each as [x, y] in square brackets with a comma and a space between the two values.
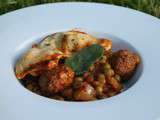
[139, 32]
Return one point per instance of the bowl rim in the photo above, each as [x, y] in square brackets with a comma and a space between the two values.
[150, 22]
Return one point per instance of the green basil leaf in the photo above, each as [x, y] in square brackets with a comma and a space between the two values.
[82, 60]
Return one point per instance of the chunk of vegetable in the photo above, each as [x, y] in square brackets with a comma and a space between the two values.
[85, 92]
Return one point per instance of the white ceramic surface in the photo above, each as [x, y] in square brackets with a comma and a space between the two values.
[20, 28]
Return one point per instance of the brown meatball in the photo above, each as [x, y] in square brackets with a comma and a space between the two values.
[56, 80]
[85, 92]
[124, 63]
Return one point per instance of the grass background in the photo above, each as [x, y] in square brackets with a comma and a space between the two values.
[149, 6]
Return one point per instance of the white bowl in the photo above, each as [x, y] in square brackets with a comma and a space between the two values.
[137, 31]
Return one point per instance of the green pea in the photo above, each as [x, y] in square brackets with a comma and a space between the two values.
[103, 59]
[101, 77]
[109, 72]
[117, 77]
[107, 66]
[102, 81]
[99, 90]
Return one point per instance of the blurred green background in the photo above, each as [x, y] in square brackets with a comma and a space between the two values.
[149, 6]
